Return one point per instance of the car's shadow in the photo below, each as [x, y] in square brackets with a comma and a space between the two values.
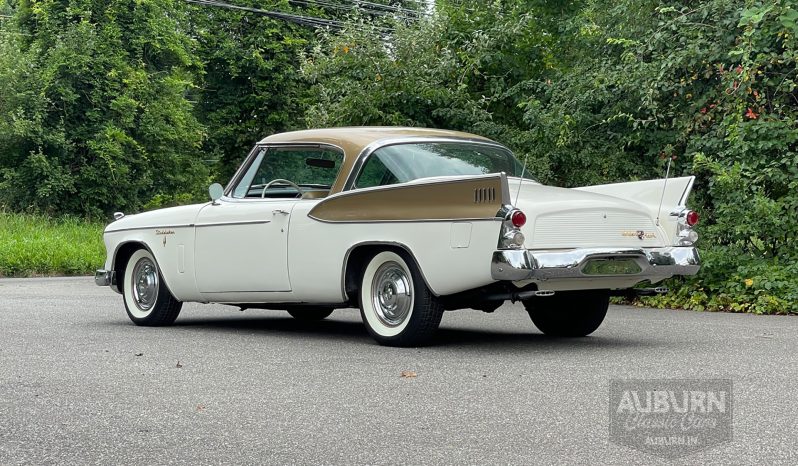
[446, 337]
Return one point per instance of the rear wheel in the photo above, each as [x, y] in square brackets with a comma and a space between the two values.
[569, 313]
[148, 301]
[395, 303]
[309, 315]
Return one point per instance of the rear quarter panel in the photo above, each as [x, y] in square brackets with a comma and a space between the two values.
[448, 225]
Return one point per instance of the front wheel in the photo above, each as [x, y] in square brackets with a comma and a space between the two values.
[147, 299]
[569, 313]
[395, 303]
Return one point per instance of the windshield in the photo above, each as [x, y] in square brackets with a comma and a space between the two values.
[407, 162]
[307, 172]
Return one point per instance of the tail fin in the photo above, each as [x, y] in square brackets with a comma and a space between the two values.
[650, 192]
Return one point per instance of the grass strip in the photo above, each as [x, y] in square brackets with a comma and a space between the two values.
[36, 245]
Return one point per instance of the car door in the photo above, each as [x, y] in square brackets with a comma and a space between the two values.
[242, 239]
[241, 246]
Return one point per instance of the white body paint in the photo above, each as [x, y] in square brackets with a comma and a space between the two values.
[271, 251]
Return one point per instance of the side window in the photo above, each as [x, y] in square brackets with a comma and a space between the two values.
[375, 173]
[313, 170]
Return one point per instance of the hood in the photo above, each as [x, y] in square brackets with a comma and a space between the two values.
[172, 217]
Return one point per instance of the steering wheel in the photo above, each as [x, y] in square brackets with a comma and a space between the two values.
[282, 181]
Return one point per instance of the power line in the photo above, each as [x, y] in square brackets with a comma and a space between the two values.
[303, 20]
[310, 21]
[368, 7]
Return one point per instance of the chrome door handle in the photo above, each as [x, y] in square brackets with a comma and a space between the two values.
[279, 211]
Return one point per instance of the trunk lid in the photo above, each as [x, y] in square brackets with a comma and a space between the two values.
[560, 218]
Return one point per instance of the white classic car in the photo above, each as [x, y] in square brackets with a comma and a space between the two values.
[403, 223]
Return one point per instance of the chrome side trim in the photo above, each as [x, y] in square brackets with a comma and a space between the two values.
[452, 179]
[105, 277]
[242, 222]
[150, 227]
[422, 220]
[659, 263]
[187, 225]
[264, 200]
[380, 143]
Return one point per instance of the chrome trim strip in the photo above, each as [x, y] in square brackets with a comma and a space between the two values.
[153, 227]
[659, 263]
[423, 220]
[241, 222]
[380, 143]
[452, 179]
[237, 200]
[245, 291]
[188, 225]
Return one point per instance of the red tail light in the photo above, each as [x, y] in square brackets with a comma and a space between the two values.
[691, 218]
[518, 218]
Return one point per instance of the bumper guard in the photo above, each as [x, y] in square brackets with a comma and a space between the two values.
[105, 278]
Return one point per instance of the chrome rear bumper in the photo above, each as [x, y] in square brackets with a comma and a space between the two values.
[655, 263]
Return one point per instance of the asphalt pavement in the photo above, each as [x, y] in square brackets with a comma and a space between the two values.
[80, 384]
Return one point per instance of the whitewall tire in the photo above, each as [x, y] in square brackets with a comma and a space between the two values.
[397, 307]
[148, 301]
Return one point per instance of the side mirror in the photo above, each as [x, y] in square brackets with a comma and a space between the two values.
[216, 191]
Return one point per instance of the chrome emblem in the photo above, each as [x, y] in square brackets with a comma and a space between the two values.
[639, 234]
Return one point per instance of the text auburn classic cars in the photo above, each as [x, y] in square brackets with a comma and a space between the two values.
[404, 223]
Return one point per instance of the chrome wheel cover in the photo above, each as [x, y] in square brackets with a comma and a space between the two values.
[391, 294]
[144, 284]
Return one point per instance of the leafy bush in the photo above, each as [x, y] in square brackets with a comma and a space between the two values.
[94, 114]
[715, 84]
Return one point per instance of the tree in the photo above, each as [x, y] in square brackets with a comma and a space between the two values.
[463, 68]
[250, 86]
[93, 109]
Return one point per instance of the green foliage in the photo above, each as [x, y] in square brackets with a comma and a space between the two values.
[606, 91]
[93, 114]
[461, 69]
[250, 86]
[35, 245]
[714, 84]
